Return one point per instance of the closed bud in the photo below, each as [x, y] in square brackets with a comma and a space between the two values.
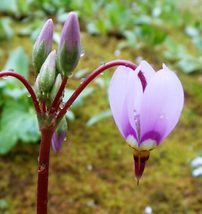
[56, 86]
[47, 73]
[37, 89]
[69, 47]
[59, 135]
[43, 45]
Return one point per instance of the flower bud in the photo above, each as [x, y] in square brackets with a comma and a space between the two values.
[56, 86]
[43, 45]
[47, 73]
[59, 135]
[69, 47]
[37, 89]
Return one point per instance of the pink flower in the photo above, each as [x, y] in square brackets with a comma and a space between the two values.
[146, 106]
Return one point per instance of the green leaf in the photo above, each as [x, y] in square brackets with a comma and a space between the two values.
[15, 93]
[5, 30]
[98, 117]
[79, 74]
[174, 50]
[3, 204]
[9, 6]
[151, 34]
[7, 141]
[190, 64]
[198, 44]
[79, 101]
[70, 115]
[18, 61]
[18, 123]
[192, 31]
[92, 28]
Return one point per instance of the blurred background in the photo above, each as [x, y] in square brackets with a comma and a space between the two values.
[93, 173]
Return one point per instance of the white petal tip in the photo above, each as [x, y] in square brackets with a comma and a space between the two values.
[148, 144]
[132, 142]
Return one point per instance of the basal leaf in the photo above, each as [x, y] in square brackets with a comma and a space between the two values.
[5, 29]
[98, 117]
[7, 141]
[18, 61]
[189, 64]
[18, 123]
[79, 100]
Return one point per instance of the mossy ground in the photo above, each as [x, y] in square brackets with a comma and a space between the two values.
[93, 173]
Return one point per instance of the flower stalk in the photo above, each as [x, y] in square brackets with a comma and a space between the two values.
[43, 169]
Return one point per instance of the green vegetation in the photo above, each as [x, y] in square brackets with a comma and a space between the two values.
[94, 171]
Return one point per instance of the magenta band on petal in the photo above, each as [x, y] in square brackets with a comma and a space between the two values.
[153, 135]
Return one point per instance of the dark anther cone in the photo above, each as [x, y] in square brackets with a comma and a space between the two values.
[140, 158]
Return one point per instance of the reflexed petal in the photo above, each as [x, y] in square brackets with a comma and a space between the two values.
[146, 69]
[161, 105]
[117, 94]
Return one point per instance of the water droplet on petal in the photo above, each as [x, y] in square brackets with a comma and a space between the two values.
[162, 116]
[82, 52]
[61, 105]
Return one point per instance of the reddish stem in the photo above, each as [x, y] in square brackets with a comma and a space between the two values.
[42, 187]
[26, 84]
[57, 99]
[89, 78]
[44, 106]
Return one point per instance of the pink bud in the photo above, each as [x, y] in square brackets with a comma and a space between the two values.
[69, 47]
[43, 45]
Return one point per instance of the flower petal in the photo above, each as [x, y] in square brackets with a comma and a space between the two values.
[161, 105]
[117, 98]
[135, 93]
[57, 140]
[146, 70]
[134, 100]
